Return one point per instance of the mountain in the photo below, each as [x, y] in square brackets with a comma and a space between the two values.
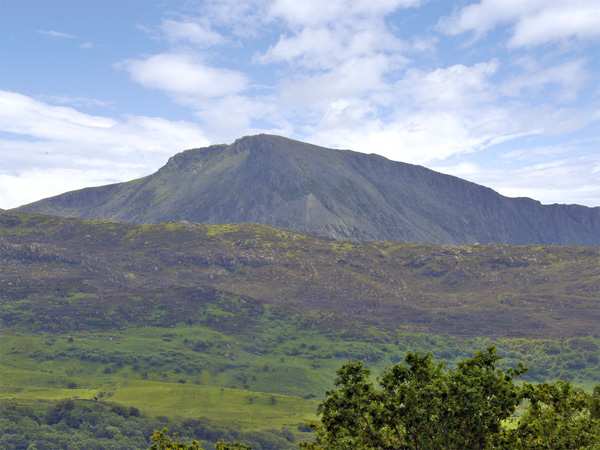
[341, 194]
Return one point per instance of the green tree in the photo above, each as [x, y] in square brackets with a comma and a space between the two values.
[222, 445]
[162, 441]
[419, 405]
[559, 416]
[424, 405]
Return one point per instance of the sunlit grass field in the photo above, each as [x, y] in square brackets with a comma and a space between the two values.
[197, 372]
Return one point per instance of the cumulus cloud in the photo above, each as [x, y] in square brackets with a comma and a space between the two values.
[184, 76]
[571, 19]
[352, 79]
[321, 35]
[53, 141]
[534, 22]
[419, 140]
[325, 48]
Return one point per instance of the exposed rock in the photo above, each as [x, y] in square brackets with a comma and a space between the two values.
[342, 194]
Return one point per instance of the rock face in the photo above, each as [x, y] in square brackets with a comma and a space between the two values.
[342, 194]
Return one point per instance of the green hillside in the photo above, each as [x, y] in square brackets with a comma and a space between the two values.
[246, 324]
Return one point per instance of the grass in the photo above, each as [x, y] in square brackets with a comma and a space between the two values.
[36, 393]
[282, 359]
[249, 409]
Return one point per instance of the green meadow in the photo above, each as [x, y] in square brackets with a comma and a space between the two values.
[269, 382]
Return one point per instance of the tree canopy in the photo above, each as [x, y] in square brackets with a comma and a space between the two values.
[423, 404]
[162, 441]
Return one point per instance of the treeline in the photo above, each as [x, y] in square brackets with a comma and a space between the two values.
[88, 425]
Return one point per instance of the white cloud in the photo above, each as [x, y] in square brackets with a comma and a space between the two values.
[243, 18]
[326, 48]
[317, 12]
[187, 78]
[534, 22]
[30, 185]
[24, 115]
[322, 35]
[352, 79]
[229, 117]
[417, 138]
[199, 34]
[565, 19]
[73, 149]
[455, 87]
[563, 181]
[75, 101]
[569, 76]
[56, 34]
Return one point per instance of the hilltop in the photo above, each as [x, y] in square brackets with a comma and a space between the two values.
[341, 194]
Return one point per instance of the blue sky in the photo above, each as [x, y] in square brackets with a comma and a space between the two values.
[504, 93]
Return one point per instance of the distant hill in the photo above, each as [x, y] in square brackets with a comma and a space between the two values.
[479, 290]
[342, 194]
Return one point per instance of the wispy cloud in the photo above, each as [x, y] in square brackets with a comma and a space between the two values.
[533, 22]
[198, 33]
[55, 34]
[76, 101]
[555, 181]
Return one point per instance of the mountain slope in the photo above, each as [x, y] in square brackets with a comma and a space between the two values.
[103, 266]
[248, 324]
[342, 194]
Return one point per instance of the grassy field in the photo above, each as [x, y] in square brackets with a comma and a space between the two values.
[248, 409]
[271, 382]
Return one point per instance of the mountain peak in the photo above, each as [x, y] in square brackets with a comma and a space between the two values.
[289, 184]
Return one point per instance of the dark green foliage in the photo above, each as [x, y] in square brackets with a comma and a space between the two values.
[162, 441]
[595, 403]
[425, 405]
[559, 416]
[86, 425]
